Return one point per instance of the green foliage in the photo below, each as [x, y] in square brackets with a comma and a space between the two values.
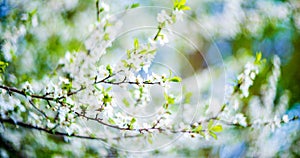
[106, 37]
[187, 97]
[169, 100]
[132, 121]
[180, 5]
[67, 86]
[198, 129]
[217, 128]
[136, 44]
[125, 101]
[149, 139]
[212, 129]
[111, 121]
[258, 57]
[175, 79]
[107, 98]
[134, 5]
[3, 66]
[109, 69]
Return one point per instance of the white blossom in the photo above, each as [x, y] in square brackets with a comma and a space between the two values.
[163, 17]
[163, 39]
[178, 14]
[105, 6]
[240, 119]
[247, 77]
[285, 118]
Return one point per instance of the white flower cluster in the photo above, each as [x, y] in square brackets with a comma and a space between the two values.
[164, 18]
[10, 45]
[142, 95]
[247, 77]
[137, 59]
[240, 119]
[178, 14]
[10, 107]
[83, 67]
[269, 89]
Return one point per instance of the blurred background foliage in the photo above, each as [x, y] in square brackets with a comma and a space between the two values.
[238, 28]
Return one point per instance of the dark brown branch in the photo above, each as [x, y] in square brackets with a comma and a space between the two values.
[36, 108]
[10, 89]
[157, 34]
[50, 131]
[131, 82]
[29, 126]
[135, 129]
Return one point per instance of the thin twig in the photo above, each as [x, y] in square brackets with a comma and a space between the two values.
[98, 10]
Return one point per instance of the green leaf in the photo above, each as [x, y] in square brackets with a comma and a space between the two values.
[130, 125]
[134, 5]
[133, 120]
[169, 99]
[213, 135]
[83, 107]
[217, 128]
[93, 135]
[106, 37]
[182, 2]
[197, 129]
[109, 69]
[175, 79]
[152, 51]
[107, 99]
[210, 123]
[34, 11]
[144, 51]
[187, 97]
[185, 8]
[126, 103]
[97, 88]
[136, 43]
[3, 66]
[150, 140]
[111, 121]
[165, 106]
[108, 89]
[202, 134]
[101, 10]
[258, 57]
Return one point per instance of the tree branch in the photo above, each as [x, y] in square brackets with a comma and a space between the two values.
[29, 126]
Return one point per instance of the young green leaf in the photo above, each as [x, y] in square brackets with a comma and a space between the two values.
[125, 101]
[169, 99]
[109, 69]
[258, 57]
[217, 128]
[106, 37]
[210, 124]
[111, 121]
[185, 8]
[213, 135]
[93, 135]
[187, 97]
[3, 66]
[175, 79]
[197, 129]
[130, 125]
[182, 2]
[136, 43]
[150, 140]
[133, 120]
[135, 5]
